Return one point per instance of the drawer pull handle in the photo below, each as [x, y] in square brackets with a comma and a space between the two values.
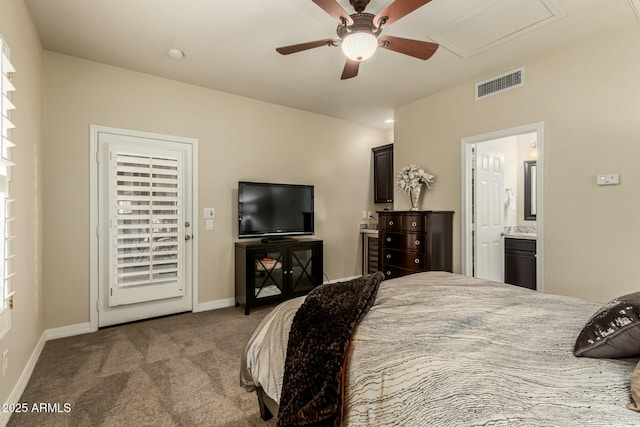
[388, 273]
[417, 242]
[388, 239]
[414, 223]
[388, 256]
[390, 222]
[417, 261]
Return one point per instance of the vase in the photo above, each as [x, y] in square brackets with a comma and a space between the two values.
[414, 194]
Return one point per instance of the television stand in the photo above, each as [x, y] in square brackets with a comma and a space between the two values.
[278, 239]
[269, 273]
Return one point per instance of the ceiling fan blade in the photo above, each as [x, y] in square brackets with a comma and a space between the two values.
[286, 50]
[335, 10]
[415, 48]
[350, 69]
[397, 10]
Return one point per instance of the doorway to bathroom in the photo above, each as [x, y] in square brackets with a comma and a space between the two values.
[496, 174]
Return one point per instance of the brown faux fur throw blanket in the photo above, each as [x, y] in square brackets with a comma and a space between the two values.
[315, 365]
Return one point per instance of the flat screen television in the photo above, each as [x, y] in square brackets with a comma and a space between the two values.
[274, 210]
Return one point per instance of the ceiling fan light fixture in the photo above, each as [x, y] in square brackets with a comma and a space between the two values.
[359, 46]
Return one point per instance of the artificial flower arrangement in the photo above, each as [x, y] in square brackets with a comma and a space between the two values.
[411, 177]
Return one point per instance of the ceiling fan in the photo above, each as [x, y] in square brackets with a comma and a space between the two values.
[359, 33]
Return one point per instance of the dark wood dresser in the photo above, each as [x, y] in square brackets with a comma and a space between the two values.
[414, 241]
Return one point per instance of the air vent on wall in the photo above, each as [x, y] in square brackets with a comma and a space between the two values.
[501, 83]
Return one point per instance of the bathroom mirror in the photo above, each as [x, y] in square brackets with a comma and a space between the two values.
[530, 178]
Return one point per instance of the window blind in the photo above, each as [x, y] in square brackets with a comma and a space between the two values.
[6, 143]
[146, 225]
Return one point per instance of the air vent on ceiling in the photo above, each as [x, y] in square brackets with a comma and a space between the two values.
[501, 83]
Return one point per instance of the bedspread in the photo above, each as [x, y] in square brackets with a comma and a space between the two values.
[448, 350]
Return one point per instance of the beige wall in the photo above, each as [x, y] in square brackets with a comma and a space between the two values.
[239, 139]
[27, 316]
[587, 97]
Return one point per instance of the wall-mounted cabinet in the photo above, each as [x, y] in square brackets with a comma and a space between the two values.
[383, 174]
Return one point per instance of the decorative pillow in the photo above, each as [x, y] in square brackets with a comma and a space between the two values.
[613, 331]
[635, 389]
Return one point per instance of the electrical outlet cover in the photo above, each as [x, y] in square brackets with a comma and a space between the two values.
[608, 179]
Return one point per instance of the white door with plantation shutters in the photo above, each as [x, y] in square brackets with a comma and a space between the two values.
[145, 228]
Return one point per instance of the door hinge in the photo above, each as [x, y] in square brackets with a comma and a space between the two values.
[97, 305]
[97, 231]
[98, 156]
[111, 292]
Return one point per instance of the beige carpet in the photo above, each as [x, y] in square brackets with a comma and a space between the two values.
[180, 370]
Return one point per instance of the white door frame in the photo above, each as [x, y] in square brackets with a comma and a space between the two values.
[94, 131]
[466, 227]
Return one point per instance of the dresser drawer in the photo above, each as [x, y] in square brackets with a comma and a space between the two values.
[413, 223]
[404, 241]
[411, 260]
[391, 272]
[390, 222]
[404, 222]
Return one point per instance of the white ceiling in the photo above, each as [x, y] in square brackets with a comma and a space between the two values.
[230, 45]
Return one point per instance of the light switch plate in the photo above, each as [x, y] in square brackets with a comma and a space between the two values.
[209, 224]
[209, 213]
[608, 179]
[5, 362]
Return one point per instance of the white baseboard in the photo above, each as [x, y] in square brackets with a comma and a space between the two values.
[214, 305]
[68, 331]
[17, 391]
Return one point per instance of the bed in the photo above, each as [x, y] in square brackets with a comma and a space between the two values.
[443, 349]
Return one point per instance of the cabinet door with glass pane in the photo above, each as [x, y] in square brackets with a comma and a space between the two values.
[306, 269]
[268, 273]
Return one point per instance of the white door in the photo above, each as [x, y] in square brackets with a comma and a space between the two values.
[489, 213]
[145, 216]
